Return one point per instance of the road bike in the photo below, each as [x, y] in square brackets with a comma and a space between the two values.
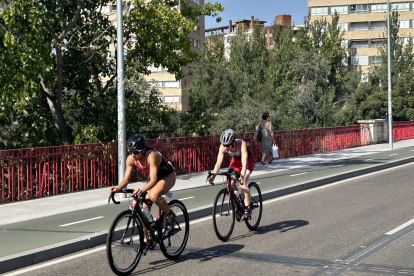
[125, 241]
[228, 207]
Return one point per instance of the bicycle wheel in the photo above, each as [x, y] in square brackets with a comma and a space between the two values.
[124, 243]
[174, 244]
[255, 205]
[223, 215]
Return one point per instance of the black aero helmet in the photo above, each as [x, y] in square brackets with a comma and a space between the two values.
[227, 137]
[136, 143]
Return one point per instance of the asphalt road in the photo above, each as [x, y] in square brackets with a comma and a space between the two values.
[63, 227]
[345, 228]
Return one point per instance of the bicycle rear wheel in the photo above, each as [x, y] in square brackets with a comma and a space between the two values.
[124, 244]
[174, 244]
[256, 206]
[223, 215]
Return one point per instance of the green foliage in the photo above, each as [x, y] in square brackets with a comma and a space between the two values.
[57, 80]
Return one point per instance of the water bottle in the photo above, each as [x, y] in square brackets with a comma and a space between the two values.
[147, 214]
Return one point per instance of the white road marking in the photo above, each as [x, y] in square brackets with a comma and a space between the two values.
[197, 221]
[338, 166]
[393, 154]
[81, 221]
[298, 173]
[368, 159]
[187, 198]
[402, 226]
[57, 261]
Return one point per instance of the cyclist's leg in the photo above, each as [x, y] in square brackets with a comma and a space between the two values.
[161, 188]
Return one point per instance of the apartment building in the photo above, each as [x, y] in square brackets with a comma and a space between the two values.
[248, 25]
[173, 92]
[364, 23]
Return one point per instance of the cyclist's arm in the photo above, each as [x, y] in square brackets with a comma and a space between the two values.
[244, 157]
[219, 161]
[152, 159]
[220, 158]
[130, 163]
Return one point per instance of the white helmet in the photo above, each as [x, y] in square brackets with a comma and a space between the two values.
[227, 137]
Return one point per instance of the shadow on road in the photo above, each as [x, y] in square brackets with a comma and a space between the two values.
[282, 227]
[202, 255]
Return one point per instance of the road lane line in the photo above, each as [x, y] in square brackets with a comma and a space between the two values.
[393, 154]
[81, 221]
[338, 166]
[402, 226]
[56, 262]
[298, 174]
[190, 197]
[368, 159]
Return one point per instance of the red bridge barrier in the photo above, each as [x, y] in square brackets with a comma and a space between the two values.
[402, 130]
[37, 172]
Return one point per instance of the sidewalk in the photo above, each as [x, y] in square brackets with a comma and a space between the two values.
[28, 211]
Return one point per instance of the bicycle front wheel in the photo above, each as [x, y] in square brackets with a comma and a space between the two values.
[255, 205]
[124, 244]
[173, 244]
[223, 215]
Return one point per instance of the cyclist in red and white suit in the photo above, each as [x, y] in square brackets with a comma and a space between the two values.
[242, 161]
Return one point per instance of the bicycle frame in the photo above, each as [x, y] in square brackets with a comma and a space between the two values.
[230, 191]
[135, 207]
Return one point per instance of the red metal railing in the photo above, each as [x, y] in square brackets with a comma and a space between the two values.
[37, 172]
[402, 130]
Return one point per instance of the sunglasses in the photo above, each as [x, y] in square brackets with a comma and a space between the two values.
[134, 152]
[226, 146]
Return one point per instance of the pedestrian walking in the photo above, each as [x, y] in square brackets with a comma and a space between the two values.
[264, 135]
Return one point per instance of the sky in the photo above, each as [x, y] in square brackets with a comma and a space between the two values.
[265, 10]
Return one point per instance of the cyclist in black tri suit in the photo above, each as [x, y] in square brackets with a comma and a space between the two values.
[161, 175]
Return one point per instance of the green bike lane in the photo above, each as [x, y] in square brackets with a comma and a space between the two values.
[28, 237]
[42, 232]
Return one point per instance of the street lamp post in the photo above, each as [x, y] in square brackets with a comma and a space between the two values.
[120, 90]
[389, 78]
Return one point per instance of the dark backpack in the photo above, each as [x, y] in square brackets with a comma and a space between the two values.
[259, 133]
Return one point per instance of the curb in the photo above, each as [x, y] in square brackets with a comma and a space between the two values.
[39, 255]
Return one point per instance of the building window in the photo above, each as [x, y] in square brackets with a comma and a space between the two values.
[113, 8]
[359, 43]
[172, 99]
[379, 8]
[171, 84]
[154, 84]
[319, 11]
[359, 60]
[359, 8]
[379, 25]
[404, 24]
[375, 60]
[339, 9]
[406, 41]
[198, 30]
[359, 26]
[376, 43]
[400, 6]
[343, 26]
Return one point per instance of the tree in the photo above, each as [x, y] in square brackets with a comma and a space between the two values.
[248, 62]
[58, 50]
[211, 89]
